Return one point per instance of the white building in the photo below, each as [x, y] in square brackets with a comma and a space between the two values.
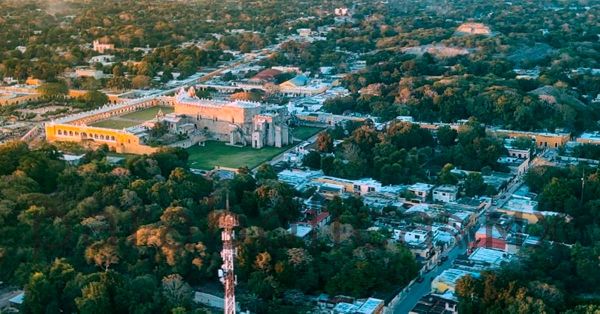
[101, 48]
[421, 190]
[446, 281]
[491, 258]
[89, 72]
[102, 59]
[298, 178]
[445, 193]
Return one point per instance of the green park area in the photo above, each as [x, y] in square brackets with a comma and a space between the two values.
[147, 114]
[219, 154]
[115, 124]
[305, 132]
[131, 119]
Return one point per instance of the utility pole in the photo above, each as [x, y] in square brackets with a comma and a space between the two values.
[228, 221]
[582, 187]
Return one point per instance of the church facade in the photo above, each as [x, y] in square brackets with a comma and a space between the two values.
[237, 122]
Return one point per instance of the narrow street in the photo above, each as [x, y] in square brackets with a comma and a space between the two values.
[419, 290]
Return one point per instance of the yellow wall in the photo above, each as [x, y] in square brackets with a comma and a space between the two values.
[348, 186]
[227, 114]
[19, 99]
[532, 218]
[121, 142]
[542, 140]
[74, 93]
[440, 287]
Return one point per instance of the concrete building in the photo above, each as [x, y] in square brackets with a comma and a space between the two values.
[490, 258]
[517, 166]
[421, 190]
[446, 281]
[298, 178]
[491, 237]
[435, 304]
[238, 122]
[519, 153]
[370, 306]
[89, 72]
[473, 29]
[445, 193]
[522, 208]
[589, 138]
[16, 95]
[542, 139]
[358, 187]
[102, 59]
[101, 47]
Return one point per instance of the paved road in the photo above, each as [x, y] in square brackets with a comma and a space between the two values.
[418, 290]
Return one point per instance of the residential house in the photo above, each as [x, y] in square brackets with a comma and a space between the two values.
[445, 193]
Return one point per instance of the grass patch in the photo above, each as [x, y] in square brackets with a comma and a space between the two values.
[114, 124]
[147, 114]
[305, 132]
[218, 154]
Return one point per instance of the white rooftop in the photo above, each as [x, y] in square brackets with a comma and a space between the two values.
[452, 275]
[300, 230]
[521, 205]
[594, 136]
[420, 187]
[447, 188]
[491, 256]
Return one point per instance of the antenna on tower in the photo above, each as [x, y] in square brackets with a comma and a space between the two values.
[228, 221]
[582, 187]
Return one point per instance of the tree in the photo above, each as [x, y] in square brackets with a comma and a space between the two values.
[140, 81]
[312, 160]
[446, 176]
[10, 154]
[324, 142]
[523, 142]
[94, 98]
[94, 299]
[53, 90]
[103, 254]
[176, 291]
[119, 83]
[474, 185]
[446, 136]
[39, 293]
[265, 172]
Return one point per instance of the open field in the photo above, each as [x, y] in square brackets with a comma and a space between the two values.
[218, 154]
[131, 119]
[146, 114]
[305, 132]
[115, 124]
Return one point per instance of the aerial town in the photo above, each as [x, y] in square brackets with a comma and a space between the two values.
[343, 157]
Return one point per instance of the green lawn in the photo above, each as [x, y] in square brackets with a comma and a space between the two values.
[114, 124]
[305, 132]
[218, 154]
[147, 114]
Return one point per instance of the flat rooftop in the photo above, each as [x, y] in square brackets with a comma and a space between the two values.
[452, 275]
[490, 256]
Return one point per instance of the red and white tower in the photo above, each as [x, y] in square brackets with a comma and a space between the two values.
[228, 221]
